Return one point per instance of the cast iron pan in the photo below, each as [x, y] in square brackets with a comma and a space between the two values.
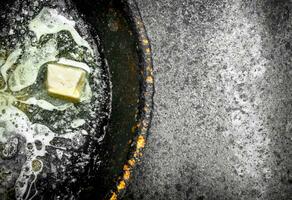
[128, 52]
[126, 56]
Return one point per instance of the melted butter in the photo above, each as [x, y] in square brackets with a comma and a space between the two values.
[46, 105]
[77, 123]
[6, 100]
[15, 122]
[27, 71]
[34, 57]
[2, 60]
[9, 63]
[49, 21]
[25, 63]
[72, 63]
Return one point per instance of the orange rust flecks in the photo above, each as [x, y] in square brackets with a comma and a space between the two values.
[132, 162]
[150, 80]
[136, 155]
[122, 185]
[127, 175]
[142, 126]
[141, 142]
[126, 168]
[114, 196]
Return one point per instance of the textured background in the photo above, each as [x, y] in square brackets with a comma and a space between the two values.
[222, 126]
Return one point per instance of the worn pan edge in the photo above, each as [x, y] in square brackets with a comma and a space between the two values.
[144, 115]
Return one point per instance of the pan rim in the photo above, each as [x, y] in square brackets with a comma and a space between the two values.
[147, 90]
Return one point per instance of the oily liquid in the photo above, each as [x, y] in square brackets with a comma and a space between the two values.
[39, 130]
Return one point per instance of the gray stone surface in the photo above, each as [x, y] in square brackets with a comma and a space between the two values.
[222, 126]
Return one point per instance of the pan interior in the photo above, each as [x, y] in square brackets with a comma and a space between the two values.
[115, 46]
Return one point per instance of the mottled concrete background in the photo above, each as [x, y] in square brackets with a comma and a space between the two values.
[222, 126]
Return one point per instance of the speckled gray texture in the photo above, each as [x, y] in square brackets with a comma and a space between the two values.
[222, 126]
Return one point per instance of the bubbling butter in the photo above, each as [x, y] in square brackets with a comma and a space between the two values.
[29, 60]
[20, 72]
[11, 60]
[32, 60]
[49, 21]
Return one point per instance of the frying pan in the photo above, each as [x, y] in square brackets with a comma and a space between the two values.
[126, 49]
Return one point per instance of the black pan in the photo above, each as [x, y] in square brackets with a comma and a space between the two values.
[125, 50]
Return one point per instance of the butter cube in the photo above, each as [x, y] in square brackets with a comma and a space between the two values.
[65, 82]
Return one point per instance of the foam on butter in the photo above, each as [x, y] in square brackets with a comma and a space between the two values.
[49, 21]
[29, 60]
[11, 60]
[32, 59]
[20, 71]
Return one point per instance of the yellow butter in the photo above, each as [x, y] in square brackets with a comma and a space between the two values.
[65, 82]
